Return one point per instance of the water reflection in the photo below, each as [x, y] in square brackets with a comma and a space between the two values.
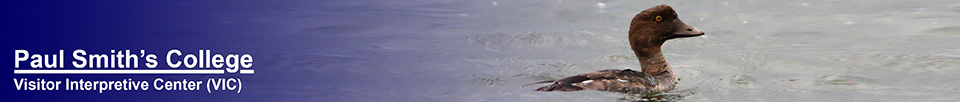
[670, 96]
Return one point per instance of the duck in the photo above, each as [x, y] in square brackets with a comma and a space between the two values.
[649, 29]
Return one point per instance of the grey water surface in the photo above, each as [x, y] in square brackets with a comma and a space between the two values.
[485, 50]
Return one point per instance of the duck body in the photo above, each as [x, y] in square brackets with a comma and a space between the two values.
[649, 29]
[614, 80]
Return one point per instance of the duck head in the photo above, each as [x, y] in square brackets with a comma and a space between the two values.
[657, 24]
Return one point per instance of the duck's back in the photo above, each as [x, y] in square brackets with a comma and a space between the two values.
[614, 80]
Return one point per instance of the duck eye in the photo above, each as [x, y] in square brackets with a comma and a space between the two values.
[659, 19]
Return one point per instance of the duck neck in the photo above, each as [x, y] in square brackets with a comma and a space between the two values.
[652, 60]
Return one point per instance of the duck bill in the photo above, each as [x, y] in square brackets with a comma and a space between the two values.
[683, 30]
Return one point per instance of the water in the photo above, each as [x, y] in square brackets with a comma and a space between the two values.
[484, 50]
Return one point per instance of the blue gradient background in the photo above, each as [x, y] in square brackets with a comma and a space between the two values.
[43, 27]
